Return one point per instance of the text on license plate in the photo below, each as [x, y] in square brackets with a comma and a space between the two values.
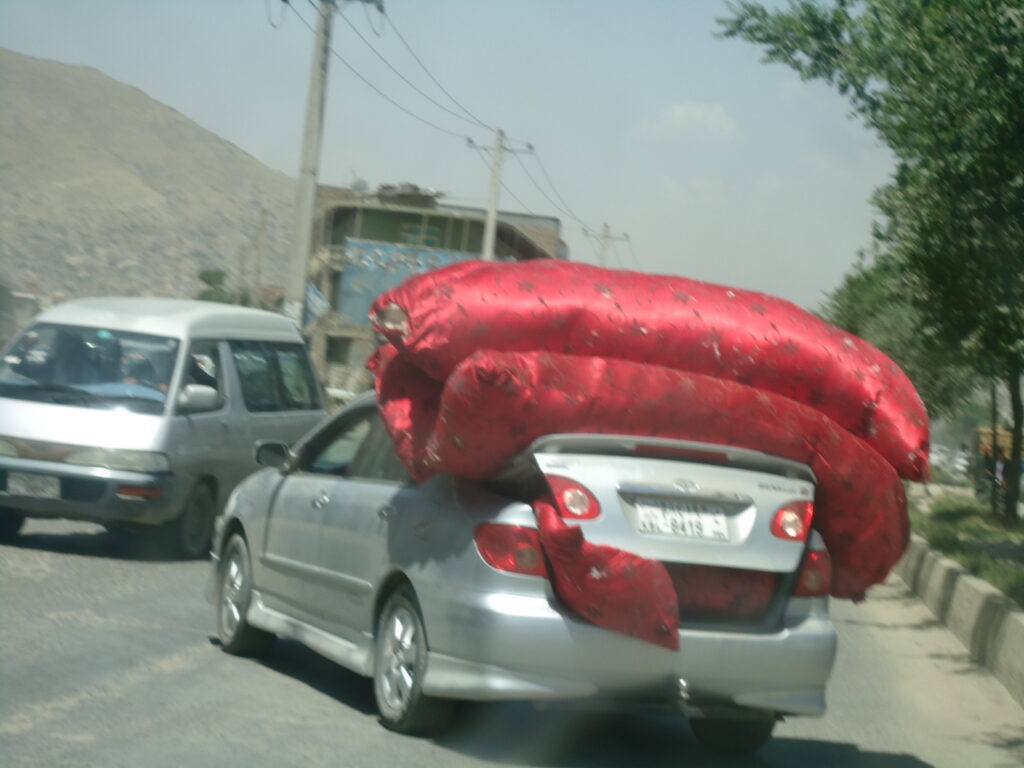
[694, 521]
[37, 486]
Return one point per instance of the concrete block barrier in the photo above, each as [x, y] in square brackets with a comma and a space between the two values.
[987, 622]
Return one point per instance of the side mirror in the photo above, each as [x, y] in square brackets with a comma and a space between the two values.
[270, 453]
[196, 398]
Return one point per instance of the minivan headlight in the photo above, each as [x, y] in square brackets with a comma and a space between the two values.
[114, 458]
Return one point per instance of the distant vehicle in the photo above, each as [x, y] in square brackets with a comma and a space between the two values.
[138, 413]
[939, 457]
[440, 590]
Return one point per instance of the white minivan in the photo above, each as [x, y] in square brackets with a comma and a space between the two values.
[142, 413]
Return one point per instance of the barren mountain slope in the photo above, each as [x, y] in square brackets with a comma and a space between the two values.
[105, 191]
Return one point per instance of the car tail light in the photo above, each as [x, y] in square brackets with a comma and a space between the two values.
[793, 521]
[574, 501]
[512, 548]
[815, 579]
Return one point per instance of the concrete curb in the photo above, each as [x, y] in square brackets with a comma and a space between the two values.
[987, 622]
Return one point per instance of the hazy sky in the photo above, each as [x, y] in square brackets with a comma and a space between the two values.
[718, 166]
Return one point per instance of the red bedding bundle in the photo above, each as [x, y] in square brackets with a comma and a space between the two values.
[442, 317]
[486, 357]
[495, 404]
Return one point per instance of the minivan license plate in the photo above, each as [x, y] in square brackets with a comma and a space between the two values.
[683, 519]
[37, 486]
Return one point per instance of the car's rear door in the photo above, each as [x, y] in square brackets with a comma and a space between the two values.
[353, 553]
[291, 547]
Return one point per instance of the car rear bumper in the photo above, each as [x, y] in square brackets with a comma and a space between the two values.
[91, 493]
[506, 646]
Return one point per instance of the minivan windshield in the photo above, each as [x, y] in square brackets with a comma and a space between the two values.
[89, 367]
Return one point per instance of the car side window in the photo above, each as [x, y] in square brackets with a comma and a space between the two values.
[256, 371]
[335, 454]
[376, 459]
[203, 365]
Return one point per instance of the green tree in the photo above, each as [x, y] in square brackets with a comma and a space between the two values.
[871, 302]
[942, 83]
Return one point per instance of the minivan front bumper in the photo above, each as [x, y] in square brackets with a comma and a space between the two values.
[96, 494]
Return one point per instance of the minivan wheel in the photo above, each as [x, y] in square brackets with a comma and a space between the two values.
[189, 534]
[234, 593]
[732, 736]
[10, 522]
[400, 662]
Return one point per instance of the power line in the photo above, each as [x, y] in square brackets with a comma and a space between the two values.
[404, 79]
[558, 194]
[546, 195]
[430, 74]
[374, 88]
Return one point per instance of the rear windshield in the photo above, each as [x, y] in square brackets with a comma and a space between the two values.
[89, 367]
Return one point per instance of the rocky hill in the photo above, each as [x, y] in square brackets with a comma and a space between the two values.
[105, 191]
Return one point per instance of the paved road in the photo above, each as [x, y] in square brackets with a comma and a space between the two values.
[107, 661]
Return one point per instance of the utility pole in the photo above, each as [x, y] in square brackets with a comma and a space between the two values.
[497, 158]
[603, 239]
[491, 225]
[261, 243]
[305, 198]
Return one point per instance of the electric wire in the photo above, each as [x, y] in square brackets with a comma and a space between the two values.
[541, 190]
[403, 78]
[558, 194]
[430, 74]
[589, 232]
[373, 87]
[629, 244]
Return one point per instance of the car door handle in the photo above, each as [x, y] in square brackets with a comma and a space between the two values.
[320, 501]
[385, 513]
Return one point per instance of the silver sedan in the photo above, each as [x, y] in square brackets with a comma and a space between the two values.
[440, 590]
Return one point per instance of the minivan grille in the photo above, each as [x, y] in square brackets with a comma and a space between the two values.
[711, 593]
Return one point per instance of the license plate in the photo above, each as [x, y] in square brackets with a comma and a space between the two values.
[691, 520]
[37, 486]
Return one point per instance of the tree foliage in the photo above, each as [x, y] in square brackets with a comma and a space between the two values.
[871, 302]
[942, 83]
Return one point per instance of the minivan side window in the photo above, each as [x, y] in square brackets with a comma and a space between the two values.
[297, 382]
[275, 376]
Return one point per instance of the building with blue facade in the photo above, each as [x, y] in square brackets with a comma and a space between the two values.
[368, 243]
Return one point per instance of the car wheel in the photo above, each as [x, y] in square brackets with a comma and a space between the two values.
[10, 523]
[189, 534]
[234, 593]
[732, 737]
[400, 662]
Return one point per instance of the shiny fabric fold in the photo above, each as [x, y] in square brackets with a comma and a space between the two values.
[494, 404]
[439, 319]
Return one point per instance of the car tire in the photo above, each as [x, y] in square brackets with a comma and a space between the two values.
[732, 736]
[189, 534]
[10, 523]
[234, 593]
[400, 662]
